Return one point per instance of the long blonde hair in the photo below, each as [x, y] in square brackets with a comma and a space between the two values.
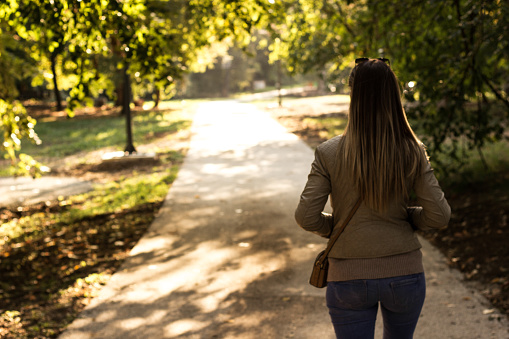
[379, 148]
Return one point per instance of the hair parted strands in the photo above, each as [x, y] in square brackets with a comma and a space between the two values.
[379, 147]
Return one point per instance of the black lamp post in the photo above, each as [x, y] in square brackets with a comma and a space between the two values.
[126, 108]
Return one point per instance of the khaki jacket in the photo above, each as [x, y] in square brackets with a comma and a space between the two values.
[369, 234]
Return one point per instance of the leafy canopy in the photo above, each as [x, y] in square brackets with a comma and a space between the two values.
[455, 52]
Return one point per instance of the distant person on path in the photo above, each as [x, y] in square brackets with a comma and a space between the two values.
[377, 259]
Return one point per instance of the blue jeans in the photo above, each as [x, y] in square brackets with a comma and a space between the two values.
[353, 306]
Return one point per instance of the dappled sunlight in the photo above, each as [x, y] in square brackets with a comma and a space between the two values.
[104, 135]
[230, 270]
[216, 269]
[133, 323]
[228, 171]
[221, 128]
[183, 326]
[106, 316]
[224, 257]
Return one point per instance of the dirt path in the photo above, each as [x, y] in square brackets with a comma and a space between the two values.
[225, 259]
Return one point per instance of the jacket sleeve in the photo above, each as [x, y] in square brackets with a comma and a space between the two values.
[309, 213]
[434, 211]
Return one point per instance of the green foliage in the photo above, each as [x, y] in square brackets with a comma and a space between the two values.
[87, 44]
[17, 125]
[473, 172]
[455, 51]
[15, 62]
[313, 34]
[157, 40]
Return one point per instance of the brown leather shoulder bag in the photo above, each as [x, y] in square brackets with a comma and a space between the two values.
[321, 264]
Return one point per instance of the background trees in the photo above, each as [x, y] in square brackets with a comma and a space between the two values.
[456, 53]
[99, 45]
[451, 56]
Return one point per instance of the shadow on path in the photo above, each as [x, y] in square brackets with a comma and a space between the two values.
[225, 259]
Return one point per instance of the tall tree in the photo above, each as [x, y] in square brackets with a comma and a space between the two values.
[158, 40]
[161, 40]
[455, 52]
[47, 26]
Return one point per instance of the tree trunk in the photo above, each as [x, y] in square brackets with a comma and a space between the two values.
[58, 97]
[119, 90]
[157, 97]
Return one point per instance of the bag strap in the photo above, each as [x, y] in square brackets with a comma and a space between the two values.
[341, 229]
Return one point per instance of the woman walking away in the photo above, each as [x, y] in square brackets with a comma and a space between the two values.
[378, 161]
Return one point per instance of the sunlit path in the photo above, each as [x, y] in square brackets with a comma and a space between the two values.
[225, 259]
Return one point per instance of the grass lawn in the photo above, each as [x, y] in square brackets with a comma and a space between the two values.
[87, 132]
[56, 255]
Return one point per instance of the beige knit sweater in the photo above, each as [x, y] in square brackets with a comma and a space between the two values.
[373, 245]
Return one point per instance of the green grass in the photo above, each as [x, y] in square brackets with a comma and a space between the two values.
[113, 197]
[62, 138]
[473, 171]
[55, 256]
[330, 126]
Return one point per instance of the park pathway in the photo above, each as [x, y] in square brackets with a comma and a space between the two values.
[225, 259]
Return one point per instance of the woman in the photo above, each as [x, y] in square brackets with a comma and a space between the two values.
[377, 259]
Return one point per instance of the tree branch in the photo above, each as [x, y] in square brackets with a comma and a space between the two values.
[343, 20]
[494, 90]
